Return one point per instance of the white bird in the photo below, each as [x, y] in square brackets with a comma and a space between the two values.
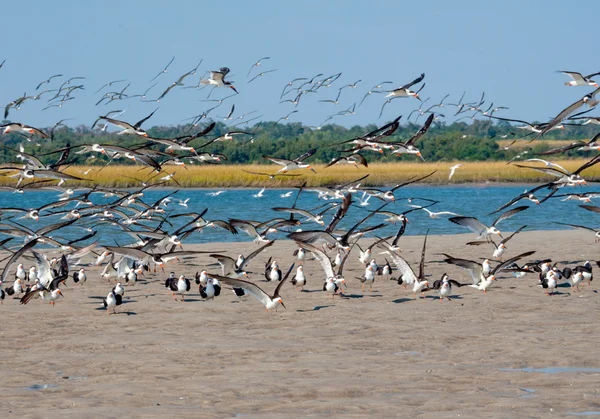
[481, 279]
[481, 229]
[183, 203]
[577, 79]
[211, 290]
[217, 193]
[576, 279]
[432, 214]
[299, 280]
[368, 278]
[260, 194]
[453, 169]
[111, 301]
[202, 278]
[286, 195]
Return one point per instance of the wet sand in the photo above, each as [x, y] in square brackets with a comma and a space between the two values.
[377, 354]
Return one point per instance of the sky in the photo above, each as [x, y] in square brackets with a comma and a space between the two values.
[511, 50]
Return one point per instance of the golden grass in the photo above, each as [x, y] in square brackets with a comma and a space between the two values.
[217, 176]
[527, 143]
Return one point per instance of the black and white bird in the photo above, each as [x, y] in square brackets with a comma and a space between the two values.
[79, 277]
[269, 301]
[299, 279]
[577, 79]
[179, 286]
[211, 290]
[217, 79]
[444, 286]
[111, 301]
[481, 229]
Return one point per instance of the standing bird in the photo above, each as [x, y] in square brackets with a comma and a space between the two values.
[367, 278]
[211, 290]
[178, 286]
[79, 277]
[299, 280]
[444, 287]
[272, 271]
[111, 301]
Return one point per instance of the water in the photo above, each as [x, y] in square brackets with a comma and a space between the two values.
[475, 201]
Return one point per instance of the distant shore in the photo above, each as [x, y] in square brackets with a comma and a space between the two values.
[380, 175]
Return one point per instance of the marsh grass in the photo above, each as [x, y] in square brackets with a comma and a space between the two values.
[217, 176]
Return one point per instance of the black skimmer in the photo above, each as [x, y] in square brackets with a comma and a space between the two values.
[367, 278]
[179, 286]
[333, 279]
[354, 159]
[297, 163]
[23, 129]
[79, 277]
[111, 301]
[261, 74]
[482, 279]
[272, 271]
[499, 248]
[217, 79]
[127, 127]
[164, 70]
[299, 279]
[444, 287]
[481, 229]
[589, 99]
[577, 79]
[269, 301]
[211, 290]
[257, 64]
[229, 266]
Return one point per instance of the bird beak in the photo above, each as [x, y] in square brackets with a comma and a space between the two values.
[144, 135]
[493, 278]
[311, 169]
[233, 88]
[537, 201]
[283, 305]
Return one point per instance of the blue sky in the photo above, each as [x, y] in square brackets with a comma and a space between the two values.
[510, 50]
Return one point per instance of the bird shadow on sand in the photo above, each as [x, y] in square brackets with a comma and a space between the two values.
[316, 308]
[436, 298]
[401, 300]
[360, 295]
[129, 313]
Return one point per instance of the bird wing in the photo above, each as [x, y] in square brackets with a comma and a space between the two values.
[255, 253]
[281, 162]
[227, 264]
[474, 268]
[402, 266]
[312, 237]
[471, 223]
[510, 261]
[278, 288]
[511, 236]
[139, 123]
[248, 286]
[415, 81]
[321, 258]
[421, 131]
[306, 155]
[122, 124]
[574, 75]
[128, 251]
[16, 256]
[509, 214]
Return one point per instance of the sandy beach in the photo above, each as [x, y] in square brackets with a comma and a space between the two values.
[377, 354]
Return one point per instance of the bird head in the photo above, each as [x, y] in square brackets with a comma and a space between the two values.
[280, 301]
[59, 292]
[493, 277]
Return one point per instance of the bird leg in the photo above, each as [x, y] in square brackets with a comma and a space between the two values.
[363, 288]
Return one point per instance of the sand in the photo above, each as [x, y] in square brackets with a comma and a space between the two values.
[377, 354]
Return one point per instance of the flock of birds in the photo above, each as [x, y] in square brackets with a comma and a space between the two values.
[155, 241]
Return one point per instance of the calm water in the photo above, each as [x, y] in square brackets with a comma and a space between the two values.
[239, 203]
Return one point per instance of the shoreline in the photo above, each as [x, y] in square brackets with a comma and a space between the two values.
[360, 354]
